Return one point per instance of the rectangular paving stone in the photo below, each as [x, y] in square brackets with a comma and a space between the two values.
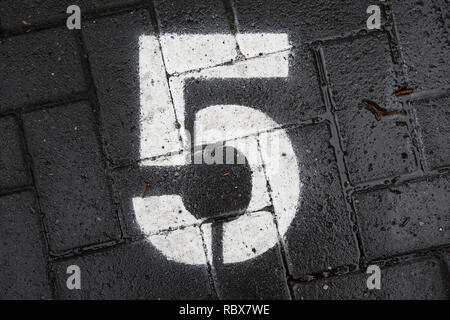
[115, 67]
[140, 182]
[180, 20]
[39, 68]
[406, 218]
[240, 270]
[361, 68]
[375, 149]
[433, 116]
[36, 12]
[185, 16]
[23, 262]
[286, 100]
[304, 21]
[320, 235]
[13, 169]
[447, 260]
[421, 280]
[157, 198]
[133, 271]
[70, 176]
[424, 42]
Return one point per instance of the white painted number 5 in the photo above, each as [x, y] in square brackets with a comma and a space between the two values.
[246, 129]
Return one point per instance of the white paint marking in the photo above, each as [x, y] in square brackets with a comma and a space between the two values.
[273, 66]
[260, 195]
[183, 53]
[255, 44]
[157, 122]
[156, 214]
[214, 123]
[182, 245]
[283, 176]
[244, 238]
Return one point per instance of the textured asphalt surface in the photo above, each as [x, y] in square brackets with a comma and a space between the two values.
[376, 180]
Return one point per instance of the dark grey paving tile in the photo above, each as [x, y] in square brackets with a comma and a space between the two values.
[23, 260]
[304, 21]
[320, 235]
[361, 69]
[433, 116]
[184, 16]
[405, 218]
[133, 271]
[115, 68]
[422, 280]
[285, 100]
[38, 68]
[70, 176]
[36, 12]
[13, 169]
[424, 42]
[375, 149]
